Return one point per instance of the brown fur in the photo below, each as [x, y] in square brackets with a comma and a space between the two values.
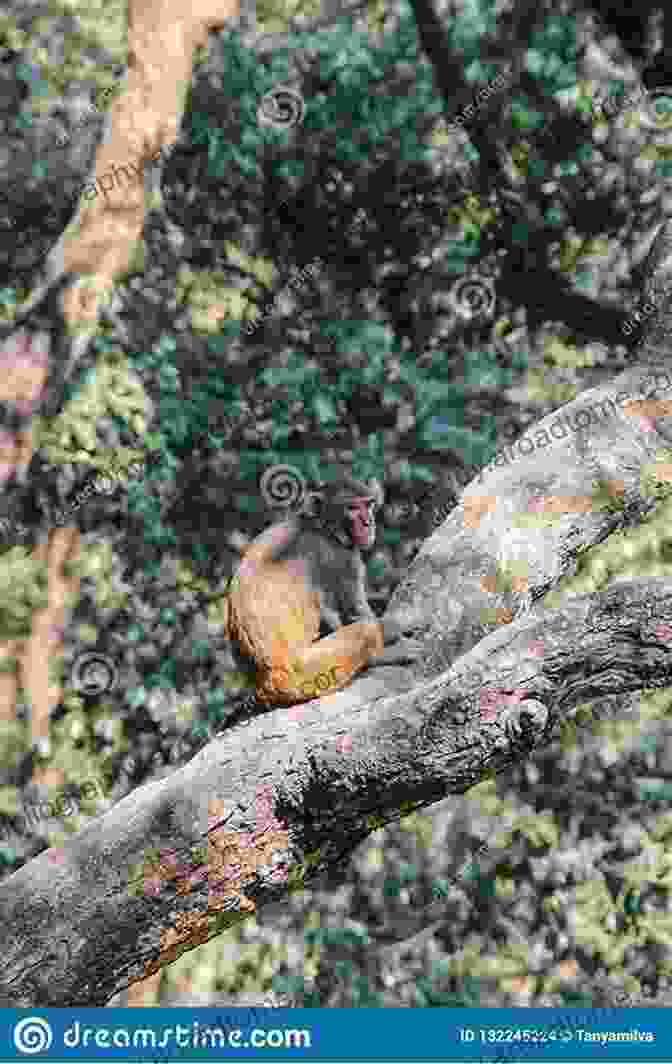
[292, 577]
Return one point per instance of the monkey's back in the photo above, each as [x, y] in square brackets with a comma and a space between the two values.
[273, 607]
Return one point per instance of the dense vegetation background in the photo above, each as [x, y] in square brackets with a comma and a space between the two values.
[468, 283]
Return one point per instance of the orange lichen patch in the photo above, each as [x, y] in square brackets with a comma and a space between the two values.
[496, 615]
[144, 993]
[48, 776]
[520, 583]
[234, 859]
[567, 970]
[494, 583]
[663, 471]
[519, 984]
[190, 930]
[475, 506]
[615, 488]
[563, 504]
[648, 409]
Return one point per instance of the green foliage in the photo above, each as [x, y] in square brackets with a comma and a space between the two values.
[430, 993]
[23, 589]
[109, 389]
[343, 936]
[8, 856]
[575, 997]
[551, 56]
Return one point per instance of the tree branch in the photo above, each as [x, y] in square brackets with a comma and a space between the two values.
[452, 83]
[273, 804]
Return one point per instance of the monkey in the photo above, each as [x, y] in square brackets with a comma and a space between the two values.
[303, 575]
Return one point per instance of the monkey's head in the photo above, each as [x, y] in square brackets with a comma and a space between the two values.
[347, 510]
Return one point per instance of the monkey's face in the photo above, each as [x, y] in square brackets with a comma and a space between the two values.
[361, 513]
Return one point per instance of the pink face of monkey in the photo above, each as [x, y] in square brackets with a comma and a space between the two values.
[362, 515]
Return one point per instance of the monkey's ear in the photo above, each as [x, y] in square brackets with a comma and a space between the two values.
[313, 504]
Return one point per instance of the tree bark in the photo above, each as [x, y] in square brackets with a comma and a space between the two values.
[272, 804]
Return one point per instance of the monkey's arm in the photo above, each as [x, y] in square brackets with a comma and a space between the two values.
[330, 618]
[355, 604]
[400, 652]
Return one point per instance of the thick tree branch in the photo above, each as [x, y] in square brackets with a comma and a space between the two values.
[277, 802]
